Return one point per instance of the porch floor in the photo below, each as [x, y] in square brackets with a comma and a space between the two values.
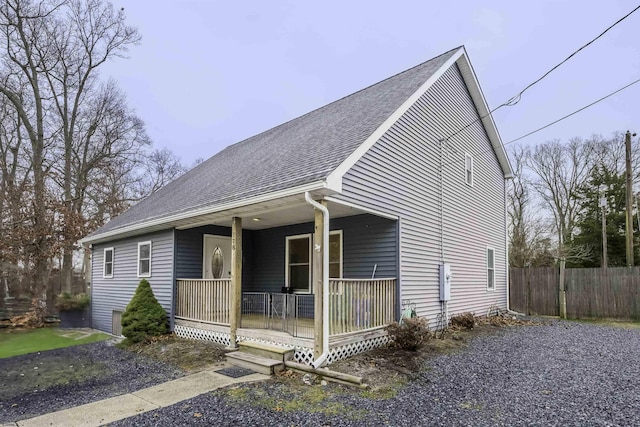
[298, 327]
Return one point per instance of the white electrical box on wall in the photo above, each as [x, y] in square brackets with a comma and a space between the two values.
[445, 281]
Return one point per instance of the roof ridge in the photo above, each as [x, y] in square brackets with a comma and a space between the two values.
[337, 100]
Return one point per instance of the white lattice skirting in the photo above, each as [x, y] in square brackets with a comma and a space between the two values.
[301, 355]
[305, 354]
[351, 349]
[201, 334]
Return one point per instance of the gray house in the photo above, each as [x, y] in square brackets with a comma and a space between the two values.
[317, 233]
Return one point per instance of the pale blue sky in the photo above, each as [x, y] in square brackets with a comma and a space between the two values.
[211, 73]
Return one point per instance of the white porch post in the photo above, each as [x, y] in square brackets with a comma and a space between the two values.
[317, 275]
[236, 279]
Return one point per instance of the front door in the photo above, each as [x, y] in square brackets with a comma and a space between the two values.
[216, 260]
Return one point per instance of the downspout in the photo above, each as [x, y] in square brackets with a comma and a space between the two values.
[506, 243]
[444, 306]
[325, 279]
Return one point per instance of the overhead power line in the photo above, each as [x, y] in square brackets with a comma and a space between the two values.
[516, 98]
[560, 119]
[575, 112]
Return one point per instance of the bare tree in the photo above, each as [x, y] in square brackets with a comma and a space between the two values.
[21, 29]
[560, 170]
[72, 153]
[78, 43]
[528, 241]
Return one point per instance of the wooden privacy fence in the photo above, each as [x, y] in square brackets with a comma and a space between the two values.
[203, 300]
[358, 304]
[591, 292]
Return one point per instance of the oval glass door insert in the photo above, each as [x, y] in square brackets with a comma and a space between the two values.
[217, 263]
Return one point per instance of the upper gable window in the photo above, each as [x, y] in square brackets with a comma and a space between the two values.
[468, 169]
[144, 259]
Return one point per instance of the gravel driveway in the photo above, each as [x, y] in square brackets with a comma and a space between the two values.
[563, 373]
[48, 381]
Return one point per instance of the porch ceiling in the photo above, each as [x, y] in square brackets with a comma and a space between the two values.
[275, 213]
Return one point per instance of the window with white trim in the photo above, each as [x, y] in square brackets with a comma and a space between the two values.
[298, 263]
[298, 269]
[107, 263]
[491, 272]
[144, 259]
[335, 254]
[468, 169]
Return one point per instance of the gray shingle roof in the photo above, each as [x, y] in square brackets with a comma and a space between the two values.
[304, 150]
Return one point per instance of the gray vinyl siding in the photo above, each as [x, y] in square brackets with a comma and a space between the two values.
[114, 293]
[399, 175]
[367, 240]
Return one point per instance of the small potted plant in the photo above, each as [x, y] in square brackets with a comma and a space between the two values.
[73, 310]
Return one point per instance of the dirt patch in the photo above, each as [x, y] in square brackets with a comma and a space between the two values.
[387, 369]
[188, 355]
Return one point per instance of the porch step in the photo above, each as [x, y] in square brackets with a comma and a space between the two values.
[258, 364]
[281, 354]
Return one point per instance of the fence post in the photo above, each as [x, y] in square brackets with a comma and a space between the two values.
[562, 291]
[528, 294]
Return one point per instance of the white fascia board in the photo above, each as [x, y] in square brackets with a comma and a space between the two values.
[469, 76]
[135, 228]
[335, 178]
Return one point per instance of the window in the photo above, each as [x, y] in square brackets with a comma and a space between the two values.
[335, 254]
[468, 169]
[298, 259]
[491, 273]
[107, 263]
[144, 259]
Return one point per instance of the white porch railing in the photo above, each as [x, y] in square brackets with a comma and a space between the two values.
[359, 304]
[203, 300]
[354, 305]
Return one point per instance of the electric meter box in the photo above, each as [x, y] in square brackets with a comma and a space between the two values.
[445, 282]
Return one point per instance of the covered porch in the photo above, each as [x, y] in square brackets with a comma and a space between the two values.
[270, 287]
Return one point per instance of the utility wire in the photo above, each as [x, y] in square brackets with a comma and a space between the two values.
[575, 112]
[516, 98]
[563, 117]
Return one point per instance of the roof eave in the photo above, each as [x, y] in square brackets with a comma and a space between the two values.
[168, 222]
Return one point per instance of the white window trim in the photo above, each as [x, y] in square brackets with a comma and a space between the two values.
[104, 263]
[339, 232]
[470, 157]
[150, 253]
[286, 261]
[493, 267]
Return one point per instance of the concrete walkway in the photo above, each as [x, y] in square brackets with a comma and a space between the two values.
[130, 404]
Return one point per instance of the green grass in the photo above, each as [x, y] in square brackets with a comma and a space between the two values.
[24, 342]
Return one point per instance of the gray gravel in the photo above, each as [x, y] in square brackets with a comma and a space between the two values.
[116, 372]
[563, 373]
